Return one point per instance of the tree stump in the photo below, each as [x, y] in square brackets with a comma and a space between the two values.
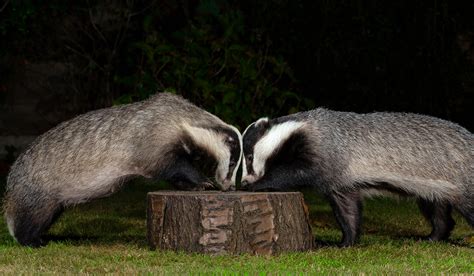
[232, 222]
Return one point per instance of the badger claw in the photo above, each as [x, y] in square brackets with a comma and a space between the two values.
[204, 186]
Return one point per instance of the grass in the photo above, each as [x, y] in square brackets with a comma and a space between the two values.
[109, 236]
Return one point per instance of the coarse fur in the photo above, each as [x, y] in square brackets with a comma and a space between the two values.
[90, 156]
[348, 156]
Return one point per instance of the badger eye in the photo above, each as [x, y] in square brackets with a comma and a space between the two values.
[232, 163]
[250, 157]
[230, 140]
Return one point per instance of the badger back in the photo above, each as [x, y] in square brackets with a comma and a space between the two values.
[133, 139]
[419, 154]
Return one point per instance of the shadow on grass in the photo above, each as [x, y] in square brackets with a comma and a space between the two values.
[463, 242]
[99, 231]
[71, 239]
[78, 240]
[320, 243]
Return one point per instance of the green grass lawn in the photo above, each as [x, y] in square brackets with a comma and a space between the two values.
[109, 235]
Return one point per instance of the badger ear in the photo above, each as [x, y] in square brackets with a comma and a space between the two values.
[230, 140]
[185, 143]
[186, 147]
[262, 123]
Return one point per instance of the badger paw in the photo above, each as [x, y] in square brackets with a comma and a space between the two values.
[204, 186]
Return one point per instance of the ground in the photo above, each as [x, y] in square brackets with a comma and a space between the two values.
[109, 236]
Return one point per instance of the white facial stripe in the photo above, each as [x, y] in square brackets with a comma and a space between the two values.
[244, 164]
[234, 173]
[244, 167]
[275, 137]
[214, 143]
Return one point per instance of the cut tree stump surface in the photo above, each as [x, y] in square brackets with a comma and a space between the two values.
[231, 222]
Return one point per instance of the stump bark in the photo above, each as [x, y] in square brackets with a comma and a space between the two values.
[231, 222]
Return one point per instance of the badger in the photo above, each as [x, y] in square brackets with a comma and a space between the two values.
[164, 137]
[348, 156]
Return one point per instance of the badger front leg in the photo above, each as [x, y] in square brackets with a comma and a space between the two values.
[273, 182]
[183, 176]
[283, 178]
[347, 208]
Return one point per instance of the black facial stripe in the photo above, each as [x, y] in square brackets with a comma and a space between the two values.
[249, 167]
[252, 136]
[200, 158]
[234, 155]
[295, 151]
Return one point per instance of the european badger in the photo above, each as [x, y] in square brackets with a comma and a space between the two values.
[347, 156]
[90, 156]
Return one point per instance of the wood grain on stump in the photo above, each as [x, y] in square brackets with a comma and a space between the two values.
[231, 222]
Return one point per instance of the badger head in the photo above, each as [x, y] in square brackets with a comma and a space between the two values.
[217, 149]
[262, 141]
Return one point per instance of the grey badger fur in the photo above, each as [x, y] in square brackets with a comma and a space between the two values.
[90, 156]
[348, 156]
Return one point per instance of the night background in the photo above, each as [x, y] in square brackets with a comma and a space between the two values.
[238, 59]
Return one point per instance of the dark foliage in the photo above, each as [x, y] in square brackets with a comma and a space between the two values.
[246, 59]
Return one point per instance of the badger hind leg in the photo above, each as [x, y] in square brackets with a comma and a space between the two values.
[439, 215]
[28, 223]
[347, 208]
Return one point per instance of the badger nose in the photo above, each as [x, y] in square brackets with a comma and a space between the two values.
[244, 185]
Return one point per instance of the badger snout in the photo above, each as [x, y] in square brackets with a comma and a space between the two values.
[226, 185]
[249, 179]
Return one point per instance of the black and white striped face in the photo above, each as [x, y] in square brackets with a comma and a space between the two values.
[223, 146]
[261, 140]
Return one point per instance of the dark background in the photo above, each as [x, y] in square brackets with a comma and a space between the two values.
[238, 59]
